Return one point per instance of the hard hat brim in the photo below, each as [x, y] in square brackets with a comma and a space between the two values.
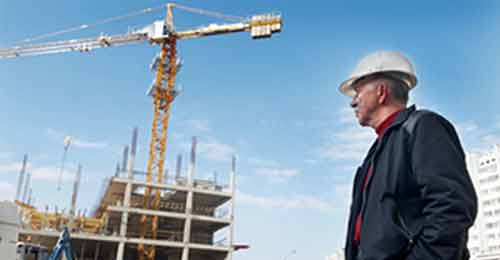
[347, 89]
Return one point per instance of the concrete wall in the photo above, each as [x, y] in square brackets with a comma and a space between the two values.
[9, 224]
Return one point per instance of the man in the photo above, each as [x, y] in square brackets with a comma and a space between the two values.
[412, 196]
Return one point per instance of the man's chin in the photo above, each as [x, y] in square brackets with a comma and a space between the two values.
[362, 122]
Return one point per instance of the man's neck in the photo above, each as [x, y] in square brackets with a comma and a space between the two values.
[383, 113]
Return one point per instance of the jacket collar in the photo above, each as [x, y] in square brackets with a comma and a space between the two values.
[402, 117]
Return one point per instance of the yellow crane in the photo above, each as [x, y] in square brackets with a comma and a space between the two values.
[163, 89]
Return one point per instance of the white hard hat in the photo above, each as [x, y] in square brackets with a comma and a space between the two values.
[391, 63]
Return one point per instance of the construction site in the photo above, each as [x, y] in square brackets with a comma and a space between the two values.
[156, 213]
[193, 218]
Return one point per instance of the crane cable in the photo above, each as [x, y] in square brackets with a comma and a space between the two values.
[231, 18]
[130, 15]
[87, 26]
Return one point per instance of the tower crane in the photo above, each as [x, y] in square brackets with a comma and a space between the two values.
[163, 90]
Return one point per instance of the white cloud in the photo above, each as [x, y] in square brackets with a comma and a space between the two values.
[491, 139]
[259, 162]
[8, 191]
[271, 170]
[466, 128]
[476, 138]
[343, 152]
[197, 125]
[5, 155]
[348, 144]
[350, 168]
[355, 135]
[343, 192]
[10, 167]
[51, 173]
[88, 144]
[214, 150]
[77, 141]
[346, 115]
[276, 175]
[293, 202]
[47, 173]
[311, 161]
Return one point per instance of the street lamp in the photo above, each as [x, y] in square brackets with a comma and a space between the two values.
[67, 142]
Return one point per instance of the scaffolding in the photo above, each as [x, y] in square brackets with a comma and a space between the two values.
[191, 216]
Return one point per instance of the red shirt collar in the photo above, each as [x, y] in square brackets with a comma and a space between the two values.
[386, 123]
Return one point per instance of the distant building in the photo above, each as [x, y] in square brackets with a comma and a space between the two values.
[484, 236]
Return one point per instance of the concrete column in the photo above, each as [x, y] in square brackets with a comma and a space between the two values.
[128, 193]
[189, 202]
[21, 177]
[74, 196]
[232, 180]
[97, 251]
[187, 224]
[178, 167]
[192, 162]
[29, 196]
[26, 187]
[117, 170]
[82, 251]
[131, 160]
[125, 159]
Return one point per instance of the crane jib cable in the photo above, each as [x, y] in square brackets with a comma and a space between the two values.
[230, 18]
[90, 25]
[127, 16]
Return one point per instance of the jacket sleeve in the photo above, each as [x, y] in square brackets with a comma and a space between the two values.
[449, 199]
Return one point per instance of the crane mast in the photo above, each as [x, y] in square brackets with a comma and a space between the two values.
[163, 96]
[163, 90]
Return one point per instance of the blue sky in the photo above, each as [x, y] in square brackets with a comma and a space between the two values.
[274, 103]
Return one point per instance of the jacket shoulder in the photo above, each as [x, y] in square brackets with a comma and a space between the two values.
[419, 116]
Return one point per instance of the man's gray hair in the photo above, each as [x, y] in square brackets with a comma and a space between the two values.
[398, 90]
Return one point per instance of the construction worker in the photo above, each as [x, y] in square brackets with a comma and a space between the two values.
[412, 195]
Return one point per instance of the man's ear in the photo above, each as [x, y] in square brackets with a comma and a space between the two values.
[382, 92]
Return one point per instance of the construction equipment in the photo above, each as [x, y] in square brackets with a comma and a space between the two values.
[159, 32]
[163, 89]
[63, 246]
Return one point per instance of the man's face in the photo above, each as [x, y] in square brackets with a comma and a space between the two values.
[365, 102]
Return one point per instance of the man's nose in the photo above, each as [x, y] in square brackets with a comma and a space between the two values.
[354, 102]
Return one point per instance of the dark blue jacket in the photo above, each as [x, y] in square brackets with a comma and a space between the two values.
[419, 202]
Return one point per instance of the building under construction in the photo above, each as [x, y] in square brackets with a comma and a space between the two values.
[194, 218]
[143, 215]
